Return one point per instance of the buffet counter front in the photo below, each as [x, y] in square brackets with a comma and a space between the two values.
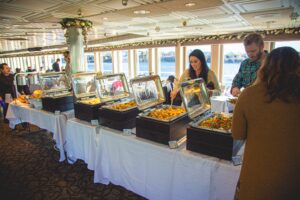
[82, 139]
[157, 172]
[55, 123]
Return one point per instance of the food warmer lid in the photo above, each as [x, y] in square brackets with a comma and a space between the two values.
[112, 87]
[55, 83]
[147, 91]
[195, 97]
[84, 85]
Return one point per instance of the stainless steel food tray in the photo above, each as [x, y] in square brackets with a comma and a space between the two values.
[146, 113]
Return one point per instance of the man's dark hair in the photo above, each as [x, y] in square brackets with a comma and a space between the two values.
[57, 59]
[253, 38]
[171, 78]
[66, 52]
[2, 65]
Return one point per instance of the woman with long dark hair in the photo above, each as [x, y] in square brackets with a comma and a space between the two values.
[267, 116]
[199, 69]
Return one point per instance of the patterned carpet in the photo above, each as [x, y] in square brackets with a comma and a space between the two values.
[29, 169]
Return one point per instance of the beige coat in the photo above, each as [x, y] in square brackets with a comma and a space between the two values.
[271, 166]
[211, 77]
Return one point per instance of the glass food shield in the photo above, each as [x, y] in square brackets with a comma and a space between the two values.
[195, 97]
[147, 91]
[55, 84]
[84, 85]
[112, 87]
[196, 102]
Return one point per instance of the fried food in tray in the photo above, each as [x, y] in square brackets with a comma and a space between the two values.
[232, 100]
[92, 101]
[166, 113]
[124, 106]
[22, 99]
[218, 121]
[37, 94]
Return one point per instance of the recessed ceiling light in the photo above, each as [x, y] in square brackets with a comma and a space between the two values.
[141, 12]
[190, 4]
[105, 18]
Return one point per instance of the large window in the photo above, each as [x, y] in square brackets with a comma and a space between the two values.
[293, 44]
[90, 64]
[106, 62]
[206, 49]
[166, 59]
[142, 64]
[234, 54]
[124, 67]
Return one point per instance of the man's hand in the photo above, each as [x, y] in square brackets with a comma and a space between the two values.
[0, 98]
[235, 91]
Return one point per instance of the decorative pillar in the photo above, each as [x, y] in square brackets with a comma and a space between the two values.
[76, 49]
[76, 37]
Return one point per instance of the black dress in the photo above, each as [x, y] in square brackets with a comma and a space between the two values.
[6, 87]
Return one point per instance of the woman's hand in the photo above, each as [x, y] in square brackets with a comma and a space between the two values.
[173, 94]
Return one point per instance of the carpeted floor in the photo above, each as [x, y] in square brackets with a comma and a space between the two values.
[29, 169]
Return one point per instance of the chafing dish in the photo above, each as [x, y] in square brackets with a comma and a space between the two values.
[157, 122]
[57, 95]
[87, 102]
[120, 109]
[208, 133]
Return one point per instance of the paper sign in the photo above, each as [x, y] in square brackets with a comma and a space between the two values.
[57, 112]
[95, 122]
[126, 131]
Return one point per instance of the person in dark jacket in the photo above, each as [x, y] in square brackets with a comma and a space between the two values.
[55, 66]
[6, 87]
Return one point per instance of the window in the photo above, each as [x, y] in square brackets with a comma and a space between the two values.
[106, 62]
[293, 44]
[90, 64]
[206, 49]
[142, 63]
[234, 54]
[124, 67]
[166, 58]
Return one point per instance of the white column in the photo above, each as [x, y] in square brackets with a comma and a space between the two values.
[76, 49]
[114, 59]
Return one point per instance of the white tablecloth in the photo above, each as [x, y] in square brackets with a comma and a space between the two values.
[55, 123]
[81, 141]
[221, 104]
[157, 172]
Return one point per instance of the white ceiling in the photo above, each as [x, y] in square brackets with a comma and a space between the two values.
[34, 23]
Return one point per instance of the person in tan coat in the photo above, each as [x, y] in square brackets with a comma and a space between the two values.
[267, 116]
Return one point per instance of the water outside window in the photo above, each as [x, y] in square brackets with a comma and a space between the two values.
[166, 57]
[206, 49]
[142, 63]
[90, 64]
[293, 44]
[124, 62]
[234, 54]
[106, 62]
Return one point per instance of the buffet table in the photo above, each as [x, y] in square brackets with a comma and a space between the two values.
[157, 172]
[221, 104]
[55, 123]
[81, 141]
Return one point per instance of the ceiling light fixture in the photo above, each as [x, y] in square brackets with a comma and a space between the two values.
[105, 18]
[190, 4]
[124, 2]
[141, 12]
